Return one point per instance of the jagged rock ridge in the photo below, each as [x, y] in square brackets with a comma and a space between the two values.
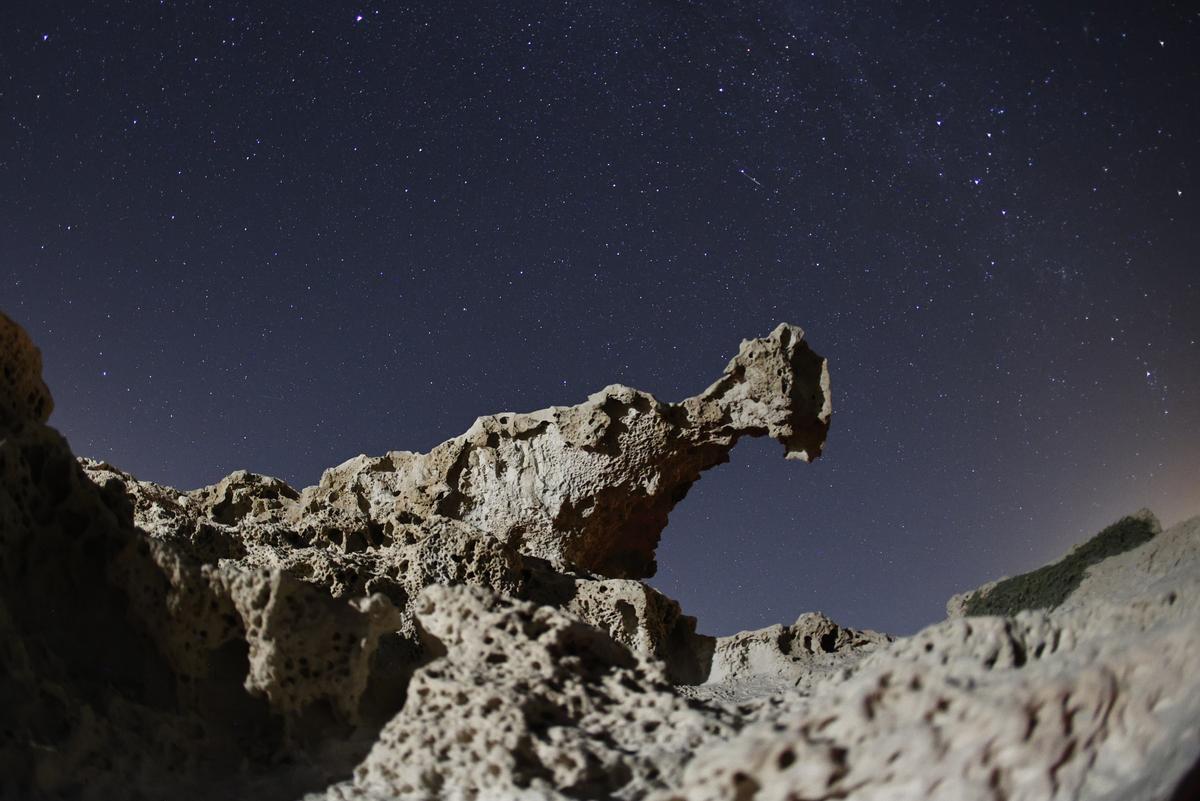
[469, 623]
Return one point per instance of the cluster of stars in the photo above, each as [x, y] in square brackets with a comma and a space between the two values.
[291, 240]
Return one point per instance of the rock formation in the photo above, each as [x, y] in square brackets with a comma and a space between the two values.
[470, 623]
[1097, 697]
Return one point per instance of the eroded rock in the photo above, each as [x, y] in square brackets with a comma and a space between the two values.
[779, 658]
[468, 624]
[589, 487]
[1051, 585]
[529, 703]
[1097, 698]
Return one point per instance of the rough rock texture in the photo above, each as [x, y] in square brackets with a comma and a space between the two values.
[777, 659]
[1099, 698]
[584, 487]
[468, 624]
[541, 505]
[247, 637]
[529, 702]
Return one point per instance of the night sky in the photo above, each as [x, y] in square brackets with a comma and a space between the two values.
[275, 235]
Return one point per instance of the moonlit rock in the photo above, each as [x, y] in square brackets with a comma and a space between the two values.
[590, 486]
[470, 624]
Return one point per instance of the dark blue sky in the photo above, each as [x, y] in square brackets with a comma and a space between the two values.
[274, 235]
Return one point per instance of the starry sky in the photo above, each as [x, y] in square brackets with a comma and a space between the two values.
[275, 235]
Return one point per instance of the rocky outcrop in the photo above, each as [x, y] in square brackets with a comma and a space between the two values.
[529, 702]
[1049, 586]
[230, 630]
[776, 659]
[541, 506]
[585, 487]
[469, 624]
[1098, 698]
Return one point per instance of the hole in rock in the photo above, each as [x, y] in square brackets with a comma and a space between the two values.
[762, 540]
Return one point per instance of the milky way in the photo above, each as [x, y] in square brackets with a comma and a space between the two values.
[275, 235]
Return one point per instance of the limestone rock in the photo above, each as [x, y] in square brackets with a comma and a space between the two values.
[468, 624]
[780, 658]
[646, 622]
[589, 487]
[136, 665]
[1098, 698]
[1049, 586]
[533, 505]
[528, 703]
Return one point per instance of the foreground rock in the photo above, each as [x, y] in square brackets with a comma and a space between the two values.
[560, 506]
[1096, 698]
[469, 623]
[529, 702]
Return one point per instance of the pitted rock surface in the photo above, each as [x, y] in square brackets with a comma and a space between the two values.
[1098, 698]
[529, 703]
[585, 487]
[468, 624]
[782, 659]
